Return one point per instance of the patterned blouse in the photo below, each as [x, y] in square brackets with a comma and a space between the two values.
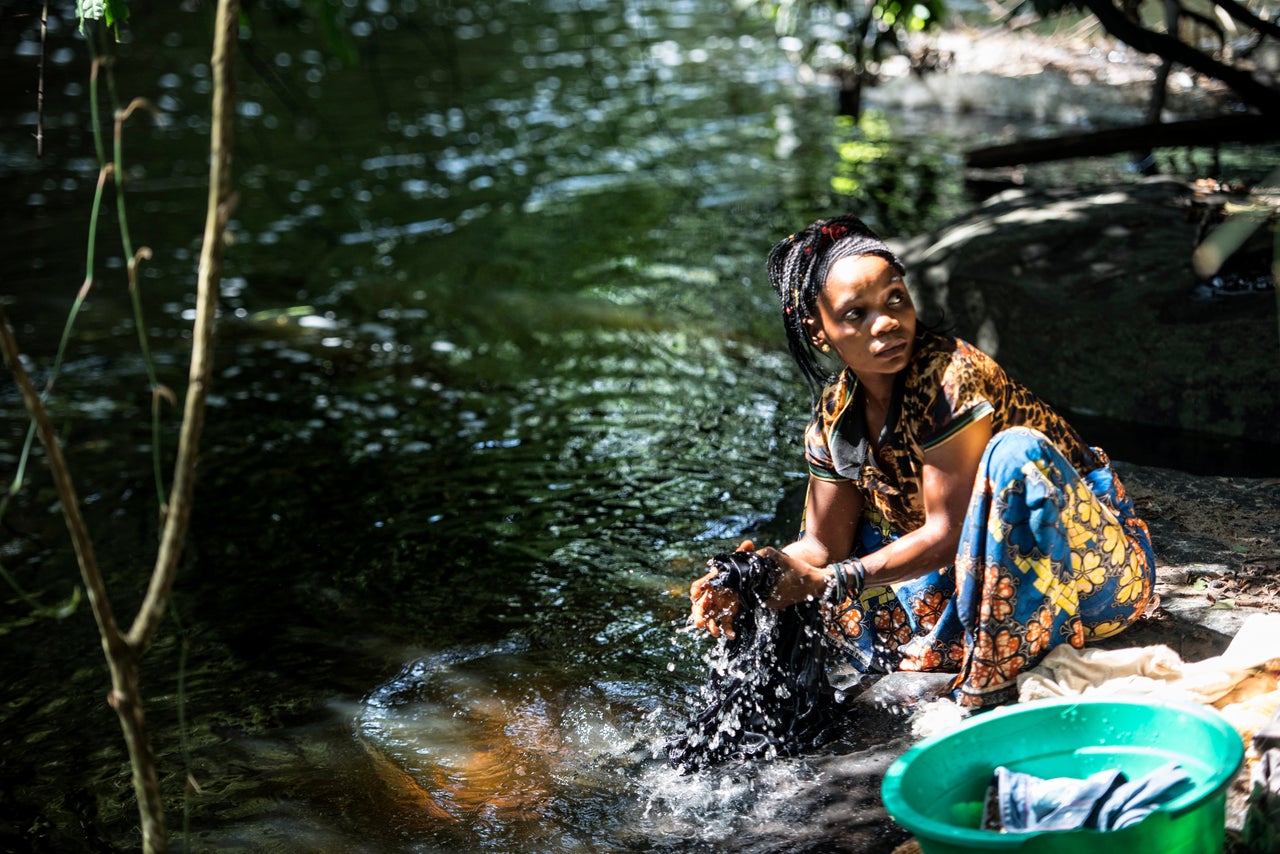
[948, 385]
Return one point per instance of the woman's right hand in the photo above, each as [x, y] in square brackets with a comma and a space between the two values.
[714, 607]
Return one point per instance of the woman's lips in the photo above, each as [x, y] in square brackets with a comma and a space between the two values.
[891, 349]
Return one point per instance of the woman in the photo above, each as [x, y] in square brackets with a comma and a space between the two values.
[954, 522]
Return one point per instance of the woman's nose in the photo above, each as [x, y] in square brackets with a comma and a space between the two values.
[884, 323]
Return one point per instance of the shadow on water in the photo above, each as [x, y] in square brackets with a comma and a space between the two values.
[498, 370]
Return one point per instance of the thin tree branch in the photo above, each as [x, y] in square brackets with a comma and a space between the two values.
[122, 658]
[44, 31]
[1246, 16]
[1205, 21]
[123, 653]
[113, 642]
[218, 211]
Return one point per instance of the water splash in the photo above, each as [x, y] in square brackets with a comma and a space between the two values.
[768, 692]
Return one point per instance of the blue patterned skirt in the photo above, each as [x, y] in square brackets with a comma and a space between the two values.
[1046, 557]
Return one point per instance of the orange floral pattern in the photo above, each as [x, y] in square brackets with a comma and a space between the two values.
[996, 658]
[928, 608]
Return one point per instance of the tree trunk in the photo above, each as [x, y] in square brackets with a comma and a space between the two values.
[1237, 128]
[1250, 89]
[852, 79]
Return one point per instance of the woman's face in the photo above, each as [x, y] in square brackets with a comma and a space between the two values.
[866, 315]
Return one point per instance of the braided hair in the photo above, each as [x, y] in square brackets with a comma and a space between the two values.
[798, 268]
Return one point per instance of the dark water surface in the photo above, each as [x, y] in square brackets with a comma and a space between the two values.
[497, 370]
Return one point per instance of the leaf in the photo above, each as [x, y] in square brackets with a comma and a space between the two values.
[336, 36]
[64, 609]
[117, 14]
[1224, 605]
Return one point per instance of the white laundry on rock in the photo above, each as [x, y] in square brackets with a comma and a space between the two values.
[1243, 683]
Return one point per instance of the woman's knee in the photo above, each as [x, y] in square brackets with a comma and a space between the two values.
[1017, 440]
[1012, 448]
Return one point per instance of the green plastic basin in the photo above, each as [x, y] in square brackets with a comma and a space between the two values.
[935, 790]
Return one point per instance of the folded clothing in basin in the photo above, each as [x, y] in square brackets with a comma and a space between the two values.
[1108, 800]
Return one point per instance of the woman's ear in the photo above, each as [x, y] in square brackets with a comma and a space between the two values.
[816, 336]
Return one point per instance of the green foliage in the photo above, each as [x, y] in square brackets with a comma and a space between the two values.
[875, 29]
[336, 36]
[895, 184]
[914, 17]
[114, 13]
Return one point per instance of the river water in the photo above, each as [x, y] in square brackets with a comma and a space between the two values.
[497, 370]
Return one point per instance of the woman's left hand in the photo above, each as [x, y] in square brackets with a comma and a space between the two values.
[713, 608]
[799, 582]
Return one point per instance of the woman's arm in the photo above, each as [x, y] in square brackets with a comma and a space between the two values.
[831, 524]
[947, 482]
[833, 511]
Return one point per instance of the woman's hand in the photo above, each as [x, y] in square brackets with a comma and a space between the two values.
[714, 607]
[799, 582]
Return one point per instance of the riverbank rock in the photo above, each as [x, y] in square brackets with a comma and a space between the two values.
[1217, 546]
[1089, 297]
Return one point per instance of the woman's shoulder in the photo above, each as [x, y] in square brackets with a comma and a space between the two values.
[955, 382]
[835, 395]
[935, 345]
[940, 355]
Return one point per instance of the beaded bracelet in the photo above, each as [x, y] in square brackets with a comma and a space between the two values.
[848, 579]
[839, 586]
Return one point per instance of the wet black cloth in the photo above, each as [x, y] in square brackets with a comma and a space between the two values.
[770, 694]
